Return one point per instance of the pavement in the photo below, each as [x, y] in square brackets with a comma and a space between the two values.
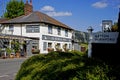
[9, 67]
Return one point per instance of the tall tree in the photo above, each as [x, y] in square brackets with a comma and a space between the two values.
[14, 8]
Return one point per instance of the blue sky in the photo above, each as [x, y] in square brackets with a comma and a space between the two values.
[78, 14]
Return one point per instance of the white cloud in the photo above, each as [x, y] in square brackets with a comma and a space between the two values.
[59, 13]
[118, 6]
[100, 5]
[47, 8]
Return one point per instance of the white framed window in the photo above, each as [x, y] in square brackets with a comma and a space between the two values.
[32, 29]
[58, 45]
[70, 46]
[49, 45]
[59, 30]
[66, 33]
[49, 29]
[11, 28]
[44, 46]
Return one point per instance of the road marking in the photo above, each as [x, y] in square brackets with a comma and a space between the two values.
[4, 76]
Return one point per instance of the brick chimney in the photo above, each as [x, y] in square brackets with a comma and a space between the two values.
[28, 8]
[30, 2]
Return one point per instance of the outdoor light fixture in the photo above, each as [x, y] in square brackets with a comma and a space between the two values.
[90, 29]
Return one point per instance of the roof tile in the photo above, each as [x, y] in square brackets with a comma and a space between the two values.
[35, 17]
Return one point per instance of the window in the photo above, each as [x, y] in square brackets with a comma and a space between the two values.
[66, 33]
[11, 27]
[49, 45]
[50, 29]
[58, 45]
[70, 46]
[44, 46]
[32, 29]
[59, 30]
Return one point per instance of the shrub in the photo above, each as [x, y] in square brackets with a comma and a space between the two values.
[72, 65]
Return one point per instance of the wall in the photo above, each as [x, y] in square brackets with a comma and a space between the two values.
[20, 29]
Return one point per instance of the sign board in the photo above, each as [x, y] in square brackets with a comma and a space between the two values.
[105, 37]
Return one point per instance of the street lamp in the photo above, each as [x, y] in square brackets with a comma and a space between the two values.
[90, 29]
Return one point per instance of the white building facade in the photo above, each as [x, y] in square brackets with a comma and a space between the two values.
[49, 35]
[49, 32]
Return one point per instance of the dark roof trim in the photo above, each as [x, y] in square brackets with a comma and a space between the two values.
[17, 36]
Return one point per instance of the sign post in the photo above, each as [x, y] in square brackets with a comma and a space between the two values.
[90, 29]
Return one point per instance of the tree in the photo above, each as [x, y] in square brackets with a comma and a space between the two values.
[115, 27]
[14, 8]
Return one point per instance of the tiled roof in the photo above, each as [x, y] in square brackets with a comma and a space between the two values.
[35, 17]
[3, 19]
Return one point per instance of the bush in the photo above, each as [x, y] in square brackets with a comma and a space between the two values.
[72, 65]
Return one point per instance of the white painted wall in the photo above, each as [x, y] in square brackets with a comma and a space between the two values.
[21, 30]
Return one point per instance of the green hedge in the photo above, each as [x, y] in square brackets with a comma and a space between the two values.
[64, 66]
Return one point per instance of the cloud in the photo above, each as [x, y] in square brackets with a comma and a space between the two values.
[118, 6]
[100, 5]
[59, 13]
[47, 8]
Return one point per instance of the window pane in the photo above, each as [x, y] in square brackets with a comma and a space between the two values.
[11, 28]
[44, 46]
[50, 29]
[32, 29]
[66, 33]
[49, 45]
[59, 30]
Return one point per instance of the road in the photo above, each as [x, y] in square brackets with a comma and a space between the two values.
[9, 68]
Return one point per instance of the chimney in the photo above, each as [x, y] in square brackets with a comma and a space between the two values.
[26, 1]
[30, 2]
[28, 8]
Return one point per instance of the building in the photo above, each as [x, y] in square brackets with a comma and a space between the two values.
[106, 25]
[38, 31]
[81, 37]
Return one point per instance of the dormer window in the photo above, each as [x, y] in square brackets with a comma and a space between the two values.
[49, 29]
[59, 30]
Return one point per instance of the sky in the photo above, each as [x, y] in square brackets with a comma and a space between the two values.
[77, 14]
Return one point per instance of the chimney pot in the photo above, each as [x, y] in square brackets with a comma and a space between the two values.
[30, 2]
[28, 7]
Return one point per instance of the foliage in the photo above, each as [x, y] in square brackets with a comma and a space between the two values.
[8, 50]
[66, 66]
[14, 9]
[50, 49]
[115, 27]
[16, 46]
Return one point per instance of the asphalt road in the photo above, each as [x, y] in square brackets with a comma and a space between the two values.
[9, 68]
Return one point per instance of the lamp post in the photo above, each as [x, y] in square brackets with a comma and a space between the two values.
[90, 29]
